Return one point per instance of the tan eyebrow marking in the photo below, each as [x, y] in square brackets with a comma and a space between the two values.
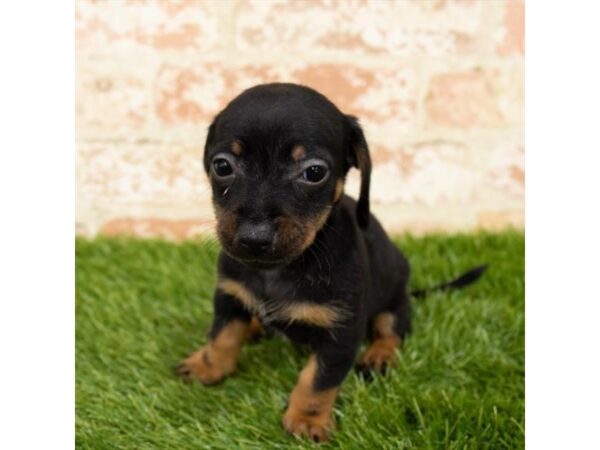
[236, 148]
[298, 152]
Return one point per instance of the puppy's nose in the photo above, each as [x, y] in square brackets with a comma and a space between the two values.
[255, 237]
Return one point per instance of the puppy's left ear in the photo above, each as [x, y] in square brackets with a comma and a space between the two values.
[358, 156]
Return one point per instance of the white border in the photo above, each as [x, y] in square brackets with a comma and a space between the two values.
[37, 225]
[562, 226]
[36, 234]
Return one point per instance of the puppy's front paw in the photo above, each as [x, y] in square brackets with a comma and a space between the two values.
[205, 367]
[310, 424]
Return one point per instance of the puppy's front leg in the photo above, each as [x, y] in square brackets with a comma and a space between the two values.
[218, 359]
[310, 407]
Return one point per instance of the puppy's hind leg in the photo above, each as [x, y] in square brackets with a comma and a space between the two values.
[388, 330]
[381, 352]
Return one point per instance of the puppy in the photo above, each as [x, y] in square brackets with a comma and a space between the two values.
[297, 254]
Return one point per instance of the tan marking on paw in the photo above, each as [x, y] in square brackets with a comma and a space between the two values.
[218, 358]
[309, 414]
[381, 353]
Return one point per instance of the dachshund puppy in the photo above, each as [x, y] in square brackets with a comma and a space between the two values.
[297, 254]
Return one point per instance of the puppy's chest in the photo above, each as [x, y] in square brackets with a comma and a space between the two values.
[284, 301]
[294, 287]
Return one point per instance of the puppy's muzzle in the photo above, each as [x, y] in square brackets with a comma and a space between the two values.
[255, 238]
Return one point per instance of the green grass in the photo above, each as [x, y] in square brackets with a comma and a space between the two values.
[144, 305]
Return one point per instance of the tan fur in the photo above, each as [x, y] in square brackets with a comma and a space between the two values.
[236, 148]
[226, 223]
[339, 190]
[297, 235]
[288, 231]
[255, 329]
[309, 413]
[314, 226]
[240, 292]
[383, 325]
[382, 350]
[325, 316]
[298, 152]
[293, 236]
[218, 358]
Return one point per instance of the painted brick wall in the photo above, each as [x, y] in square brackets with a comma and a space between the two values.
[438, 86]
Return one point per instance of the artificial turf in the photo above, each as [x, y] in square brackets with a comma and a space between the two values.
[142, 306]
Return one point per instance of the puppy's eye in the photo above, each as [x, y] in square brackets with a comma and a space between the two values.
[314, 174]
[222, 168]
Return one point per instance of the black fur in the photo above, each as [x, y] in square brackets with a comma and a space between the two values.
[463, 280]
[350, 263]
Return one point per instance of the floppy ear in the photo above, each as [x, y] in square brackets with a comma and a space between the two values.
[358, 156]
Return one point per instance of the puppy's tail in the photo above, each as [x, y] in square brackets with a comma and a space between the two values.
[465, 279]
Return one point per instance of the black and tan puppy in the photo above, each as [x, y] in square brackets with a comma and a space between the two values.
[299, 255]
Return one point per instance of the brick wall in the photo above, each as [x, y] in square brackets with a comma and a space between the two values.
[438, 86]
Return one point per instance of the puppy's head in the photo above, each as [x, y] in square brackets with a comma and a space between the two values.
[276, 158]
